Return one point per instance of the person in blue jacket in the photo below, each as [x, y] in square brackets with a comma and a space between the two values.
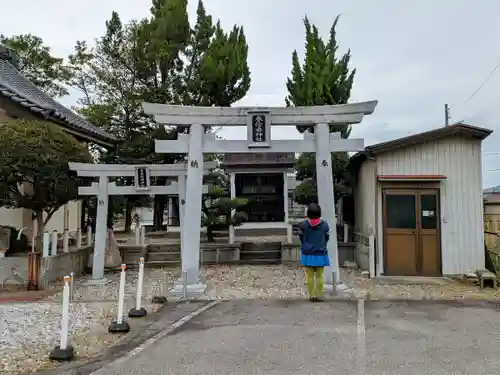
[314, 234]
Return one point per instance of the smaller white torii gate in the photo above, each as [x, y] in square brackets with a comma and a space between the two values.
[142, 186]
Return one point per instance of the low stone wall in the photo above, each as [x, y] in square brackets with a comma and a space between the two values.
[290, 253]
[365, 252]
[347, 252]
[14, 266]
[54, 268]
[215, 254]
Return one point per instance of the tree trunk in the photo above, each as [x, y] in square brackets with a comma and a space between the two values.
[210, 234]
[128, 214]
[156, 213]
[41, 231]
[159, 209]
[92, 214]
[111, 213]
[83, 221]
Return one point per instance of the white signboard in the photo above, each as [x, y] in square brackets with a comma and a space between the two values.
[147, 216]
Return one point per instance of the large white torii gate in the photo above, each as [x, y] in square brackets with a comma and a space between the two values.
[142, 186]
[258, 121]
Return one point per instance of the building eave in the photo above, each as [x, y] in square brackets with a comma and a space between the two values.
[18, 89]
[460, 129]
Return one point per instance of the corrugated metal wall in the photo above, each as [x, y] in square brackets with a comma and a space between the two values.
[461, 200]
[364, 205]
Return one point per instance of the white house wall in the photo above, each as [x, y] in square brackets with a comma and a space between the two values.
[56, 222]
[20, 218]
[11, 217]
[461, 197]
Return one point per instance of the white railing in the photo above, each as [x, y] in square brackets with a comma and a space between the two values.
[365, 245]
[51, 240]
[346, 233]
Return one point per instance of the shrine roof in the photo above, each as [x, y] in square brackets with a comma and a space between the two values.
[255, 159]
[16, 87]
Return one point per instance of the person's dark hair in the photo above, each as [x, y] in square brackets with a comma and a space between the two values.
[313, 211]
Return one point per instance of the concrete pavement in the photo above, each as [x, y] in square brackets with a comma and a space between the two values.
[426, 337]
[337, 337]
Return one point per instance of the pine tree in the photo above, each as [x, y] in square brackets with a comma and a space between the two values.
[322, 79]
[217, 72]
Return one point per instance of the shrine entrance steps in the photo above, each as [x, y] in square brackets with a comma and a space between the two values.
[260, 253]
[175, 232]
[169, 254]
[247, 252]
[244, 252]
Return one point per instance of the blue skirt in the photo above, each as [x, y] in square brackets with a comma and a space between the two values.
[315, 260]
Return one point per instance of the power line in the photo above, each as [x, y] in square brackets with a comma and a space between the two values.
[482, 84]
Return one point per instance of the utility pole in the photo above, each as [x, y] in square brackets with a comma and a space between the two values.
[446, 115]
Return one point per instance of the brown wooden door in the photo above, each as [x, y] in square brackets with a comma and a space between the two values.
[400, 233]
[411, 232]
[429, 236]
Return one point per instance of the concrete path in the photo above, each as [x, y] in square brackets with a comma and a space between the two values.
[348, 337]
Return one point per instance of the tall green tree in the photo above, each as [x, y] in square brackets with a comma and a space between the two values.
[217, 72]
[324, 78]
[34, 171]
[38, 64]
[108, 79]
[158, 59]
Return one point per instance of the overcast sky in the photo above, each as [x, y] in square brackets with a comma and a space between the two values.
[412, 58]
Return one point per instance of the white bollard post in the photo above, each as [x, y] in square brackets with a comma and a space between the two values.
[139, 311]
[53, 249]
[89, 236]
[79, 238]
[66, 240]
[143, 235]
[64, 352]
[289, 233]
[184, 285]
[371, 255]
[137, 235]
[46, 244]
[346, 233]
[120, 325]
[71, 284]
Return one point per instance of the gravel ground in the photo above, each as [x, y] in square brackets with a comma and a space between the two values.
[156, 282]
[263, 282]
[28, 331]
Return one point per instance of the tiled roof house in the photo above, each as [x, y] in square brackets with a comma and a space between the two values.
[20, 98]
